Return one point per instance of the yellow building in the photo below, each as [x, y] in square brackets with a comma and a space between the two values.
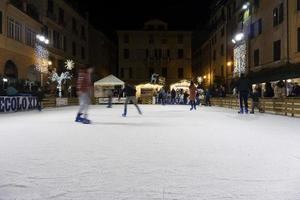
[274, 44]
[17, 40]
[269, 48]
[21, 21]
[154, 50]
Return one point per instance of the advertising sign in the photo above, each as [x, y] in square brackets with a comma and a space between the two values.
[17, 103]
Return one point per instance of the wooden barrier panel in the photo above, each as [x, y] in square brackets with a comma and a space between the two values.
[286, 106]
[51, 102]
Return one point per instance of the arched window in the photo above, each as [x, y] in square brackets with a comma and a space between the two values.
[11, 70]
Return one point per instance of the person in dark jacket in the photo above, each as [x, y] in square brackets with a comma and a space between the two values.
[130, 93]
[39, 98]
[173, 96]
[207, 97]
[243, 87]
[110, 96]
[255, 100]
[269, 91]
[185, 97]
[193, 91]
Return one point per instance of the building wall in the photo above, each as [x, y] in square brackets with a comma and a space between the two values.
[103, 54]
[237, 20]
[140, 62]
[18, 52]
[294, 24]
[66, 32]
[270, 34]
[34, 14]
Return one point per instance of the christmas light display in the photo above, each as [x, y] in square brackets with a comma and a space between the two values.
[41, 58]
[240, 59]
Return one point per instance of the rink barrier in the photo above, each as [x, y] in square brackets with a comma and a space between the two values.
[51, 102]
[286, 106]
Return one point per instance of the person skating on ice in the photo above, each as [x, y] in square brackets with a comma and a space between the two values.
[83, 90]
[130, 93]
[256, 95]
[243, 87]
[110, 96]
[193, 90]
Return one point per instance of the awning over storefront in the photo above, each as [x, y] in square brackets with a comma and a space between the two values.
[183, 84]
[110, 80]
[288, 71]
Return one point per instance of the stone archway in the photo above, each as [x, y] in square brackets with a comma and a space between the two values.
[11, 70]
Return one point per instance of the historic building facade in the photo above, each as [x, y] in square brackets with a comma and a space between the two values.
[269, 47]
[102, 54]
[154, 50]
[21, 21]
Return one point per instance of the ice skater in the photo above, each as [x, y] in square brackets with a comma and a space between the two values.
[84, 87]
[193, 90]
[39, 98]
[130, 93]
[110, 96]
[243, 87]
[255, 100]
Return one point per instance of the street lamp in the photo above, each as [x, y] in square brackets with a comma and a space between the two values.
[246, 6]
[5, 80]
[199, 79]
[229, 64]
[238, 37]
[42, 39]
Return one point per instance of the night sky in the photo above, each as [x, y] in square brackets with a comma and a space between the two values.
[110, 15]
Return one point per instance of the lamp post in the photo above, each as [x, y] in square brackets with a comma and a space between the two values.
[4, 80]
[228, 68]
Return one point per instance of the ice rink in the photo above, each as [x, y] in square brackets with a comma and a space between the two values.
[169, 153]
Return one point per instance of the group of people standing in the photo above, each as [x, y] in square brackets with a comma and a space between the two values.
[243, 88]
[183, 97]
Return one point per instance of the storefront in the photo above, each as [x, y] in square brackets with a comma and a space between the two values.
[146, 92]
[289, 74]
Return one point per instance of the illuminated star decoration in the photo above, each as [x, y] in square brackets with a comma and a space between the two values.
[69, 64]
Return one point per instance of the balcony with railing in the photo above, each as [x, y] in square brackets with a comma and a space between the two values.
[27, 8]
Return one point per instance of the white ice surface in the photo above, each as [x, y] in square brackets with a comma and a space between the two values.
[168, 153]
